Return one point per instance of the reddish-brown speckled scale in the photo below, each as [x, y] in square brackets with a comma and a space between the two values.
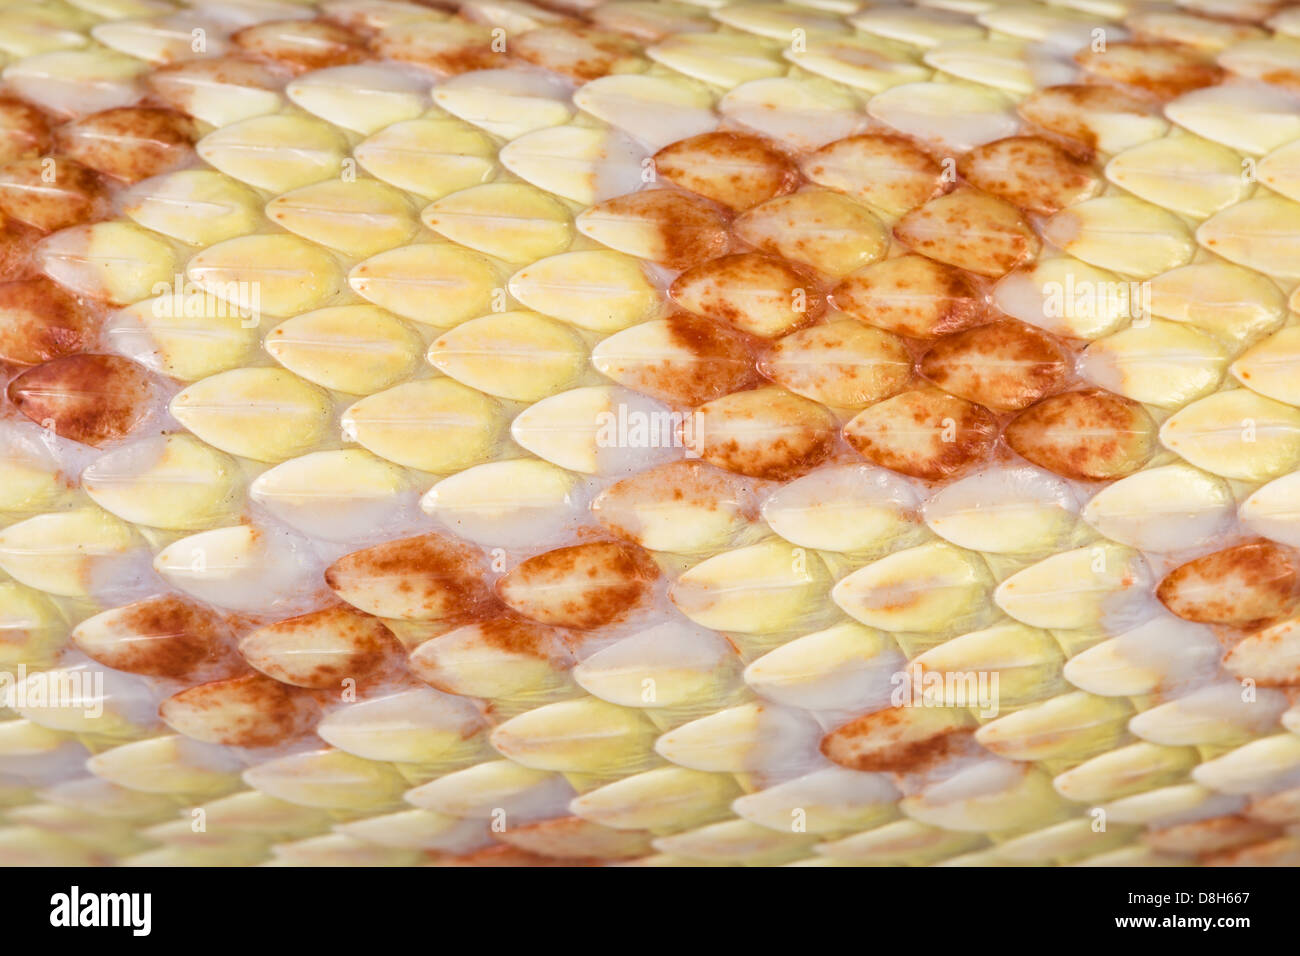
[449, 60]
[1160, 70]
[173, 84]
[576, 838]
[321, 649]
[167, 636]
[840, 364]
[893, 741]
[131, 143]
[687, 483]
[854, 166]
[759, 294]
[709, 360]
[1247, 586]
[739, 170]
[16, 242]
[427, 577]
[52, 193]
[1215, 835]
[767, 433]
[301, 44]
[913, 296]
[1063, 111]
[246, 711]
[511, 856]
[24, 130]
[972, 230]
[504, 634]
[580, 53]
[40, 321]
[687, 230]
[92, 399]
[923, 433]
[1089, 434]
[584, 586]
[1030, 172]
[1005, 366]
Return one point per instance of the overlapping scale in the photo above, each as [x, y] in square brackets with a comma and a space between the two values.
[669, 433]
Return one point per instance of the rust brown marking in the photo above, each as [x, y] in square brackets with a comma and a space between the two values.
[301, 45]
[848, 165]
[1089, 434]
[92, 399]
[444, 577]
[570, 838]
[692, 484]
[24, 130]
[755, 293]
[173, 84]
[131, 143]
[1030, 172]
[688, 229]
[1005, 366]
[913, 296]
[1064, 111]
[247, 711]
[580, 53]
[357, 646]
[843, 364]
[52, 193]
[583, 586]
[879, 743]
[1249, 585]
[17, 244]
[1214, 835]
[713, 361]
[739, 170]
[1160, 70]
[40, 321]
[972, 230]
[173, 638]
[923, 433]
[449, 59]
[769, 434]
[511, 856]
